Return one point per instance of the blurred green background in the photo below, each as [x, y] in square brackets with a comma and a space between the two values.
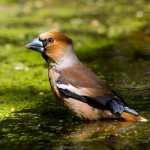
[110, 37]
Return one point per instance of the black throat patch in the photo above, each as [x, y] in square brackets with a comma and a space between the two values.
[45, 57]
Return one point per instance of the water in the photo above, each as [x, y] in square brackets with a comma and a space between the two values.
[110, 37]
[30, 131]
[57, 129]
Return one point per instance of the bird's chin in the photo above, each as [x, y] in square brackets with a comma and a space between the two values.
[45, 57]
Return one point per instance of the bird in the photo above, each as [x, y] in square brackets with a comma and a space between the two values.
[77, 87]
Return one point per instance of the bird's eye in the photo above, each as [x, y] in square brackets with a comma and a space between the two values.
[47, 41]
[50, 40]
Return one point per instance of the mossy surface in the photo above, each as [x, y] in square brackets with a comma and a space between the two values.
[110, 37]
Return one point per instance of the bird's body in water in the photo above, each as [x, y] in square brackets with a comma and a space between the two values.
[77, 87]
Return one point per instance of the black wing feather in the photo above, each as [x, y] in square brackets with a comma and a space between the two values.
[101, 102]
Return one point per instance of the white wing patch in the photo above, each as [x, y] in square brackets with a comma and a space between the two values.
[69, 87]
[86, 91]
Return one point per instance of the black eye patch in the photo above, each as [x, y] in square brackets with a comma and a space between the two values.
[44, 43]
[47, 41]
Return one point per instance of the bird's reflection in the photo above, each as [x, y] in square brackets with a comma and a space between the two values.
[104, 133]
[88, 130]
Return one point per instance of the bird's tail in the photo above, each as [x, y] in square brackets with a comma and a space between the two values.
[131, 117]
[125, 112]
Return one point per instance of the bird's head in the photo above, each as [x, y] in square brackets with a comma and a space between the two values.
[52, 45]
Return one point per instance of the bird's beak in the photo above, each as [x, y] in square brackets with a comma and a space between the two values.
[35, 45]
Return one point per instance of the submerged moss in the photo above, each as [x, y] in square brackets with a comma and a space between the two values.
[110, 37]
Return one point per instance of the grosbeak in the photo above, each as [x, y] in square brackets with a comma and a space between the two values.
[77, 87]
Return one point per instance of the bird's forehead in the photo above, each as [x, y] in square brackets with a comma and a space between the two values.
[45, 35]
[55, 35]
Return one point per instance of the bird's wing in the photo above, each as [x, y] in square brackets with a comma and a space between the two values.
[82, 84]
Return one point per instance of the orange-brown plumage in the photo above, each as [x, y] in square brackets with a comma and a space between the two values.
[130, 117]
[58, 47]
[78, 88]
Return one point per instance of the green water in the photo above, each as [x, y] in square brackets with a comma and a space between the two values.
[110, 37]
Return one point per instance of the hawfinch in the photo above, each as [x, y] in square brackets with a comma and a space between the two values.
[77, 87]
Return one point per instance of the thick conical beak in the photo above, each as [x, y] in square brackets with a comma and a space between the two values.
[36, 45]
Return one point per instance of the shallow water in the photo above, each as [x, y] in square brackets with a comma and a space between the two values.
[110, 37]
[55, 128]
[30, 131]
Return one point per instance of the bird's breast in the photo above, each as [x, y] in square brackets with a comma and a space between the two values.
[53, 77]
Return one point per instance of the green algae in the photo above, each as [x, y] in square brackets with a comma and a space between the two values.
[110, 37]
